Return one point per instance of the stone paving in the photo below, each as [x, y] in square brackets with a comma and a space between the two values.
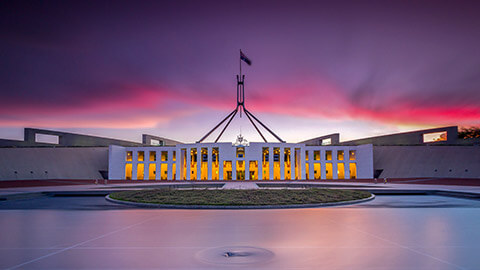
[239, 185]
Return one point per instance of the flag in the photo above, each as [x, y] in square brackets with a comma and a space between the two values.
[245, 58]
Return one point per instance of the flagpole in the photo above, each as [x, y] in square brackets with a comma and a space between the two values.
[241, 106]
[240, 64]
[240, 78]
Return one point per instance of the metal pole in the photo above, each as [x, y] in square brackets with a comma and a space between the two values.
[255, 126]
[271, 132]
[228, 123]
[240, 63]
[219, 124]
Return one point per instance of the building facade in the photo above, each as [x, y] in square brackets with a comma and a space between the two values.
[253, 161]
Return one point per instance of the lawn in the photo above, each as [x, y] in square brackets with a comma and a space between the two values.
[239, 197]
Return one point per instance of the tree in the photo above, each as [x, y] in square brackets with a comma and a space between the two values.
[467, 133]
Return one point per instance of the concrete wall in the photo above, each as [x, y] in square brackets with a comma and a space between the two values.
[72, 139]
[53, 163]
[408, 138]
[335, 139]
[147, 140]
[427, 161]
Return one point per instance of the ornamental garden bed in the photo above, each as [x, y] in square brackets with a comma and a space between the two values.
[239, 197]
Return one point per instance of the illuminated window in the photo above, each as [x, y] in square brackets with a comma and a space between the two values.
[240, 170]
[153, 156]
[317, 171]
[140, 172]
[276, 163]
[193, 155]
[265, 152]
[276, 154]
[316, 155]
[435, 137]
[298, 165]
[329, 170]
[341, 170]
[204, 164]
[287, 164]
[164, 171]
[129, 156]
[253, 168]
[152, 171]
[353, 171]
[204, 154]
[174, 156]
[227, 170]
[265, 164]
[328, 155]
[183, 163]
[174, 170]
[215, 165]
[164, 156]
[240, 152]
[340, 155]
[215, 155]
[193, 164]
[306, 155]
[352, 155]
[128, 171]
[141, 156]
[307, 171]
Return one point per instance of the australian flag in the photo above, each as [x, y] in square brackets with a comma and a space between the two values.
[245, 58]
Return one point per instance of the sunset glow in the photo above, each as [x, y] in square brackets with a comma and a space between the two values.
[169, 68]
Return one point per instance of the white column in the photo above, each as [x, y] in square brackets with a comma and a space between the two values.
[146, 164]
[260, 167]
[346, 165]
[293, 164]
[134, 164]
[302, 163]
[270, 161]
[158, 168]
[311, 168]
[335, 162]
[170, 165]
[323, 168]
[210, 159]
[234, 169]
[188, 162]
[247, 169]
[335, 172]
[220, 166]
[282, 163]
[346, 161]
[178, 163]
[199, 163]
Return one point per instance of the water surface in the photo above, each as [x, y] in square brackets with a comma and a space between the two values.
[391, 232]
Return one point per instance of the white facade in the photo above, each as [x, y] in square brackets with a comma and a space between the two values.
[256, 161]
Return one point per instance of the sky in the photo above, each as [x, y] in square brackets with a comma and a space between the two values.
[124, 68]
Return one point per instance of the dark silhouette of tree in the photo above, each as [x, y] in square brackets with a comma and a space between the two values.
[467, 133]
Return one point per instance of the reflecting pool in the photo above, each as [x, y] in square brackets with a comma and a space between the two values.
[390, 232]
